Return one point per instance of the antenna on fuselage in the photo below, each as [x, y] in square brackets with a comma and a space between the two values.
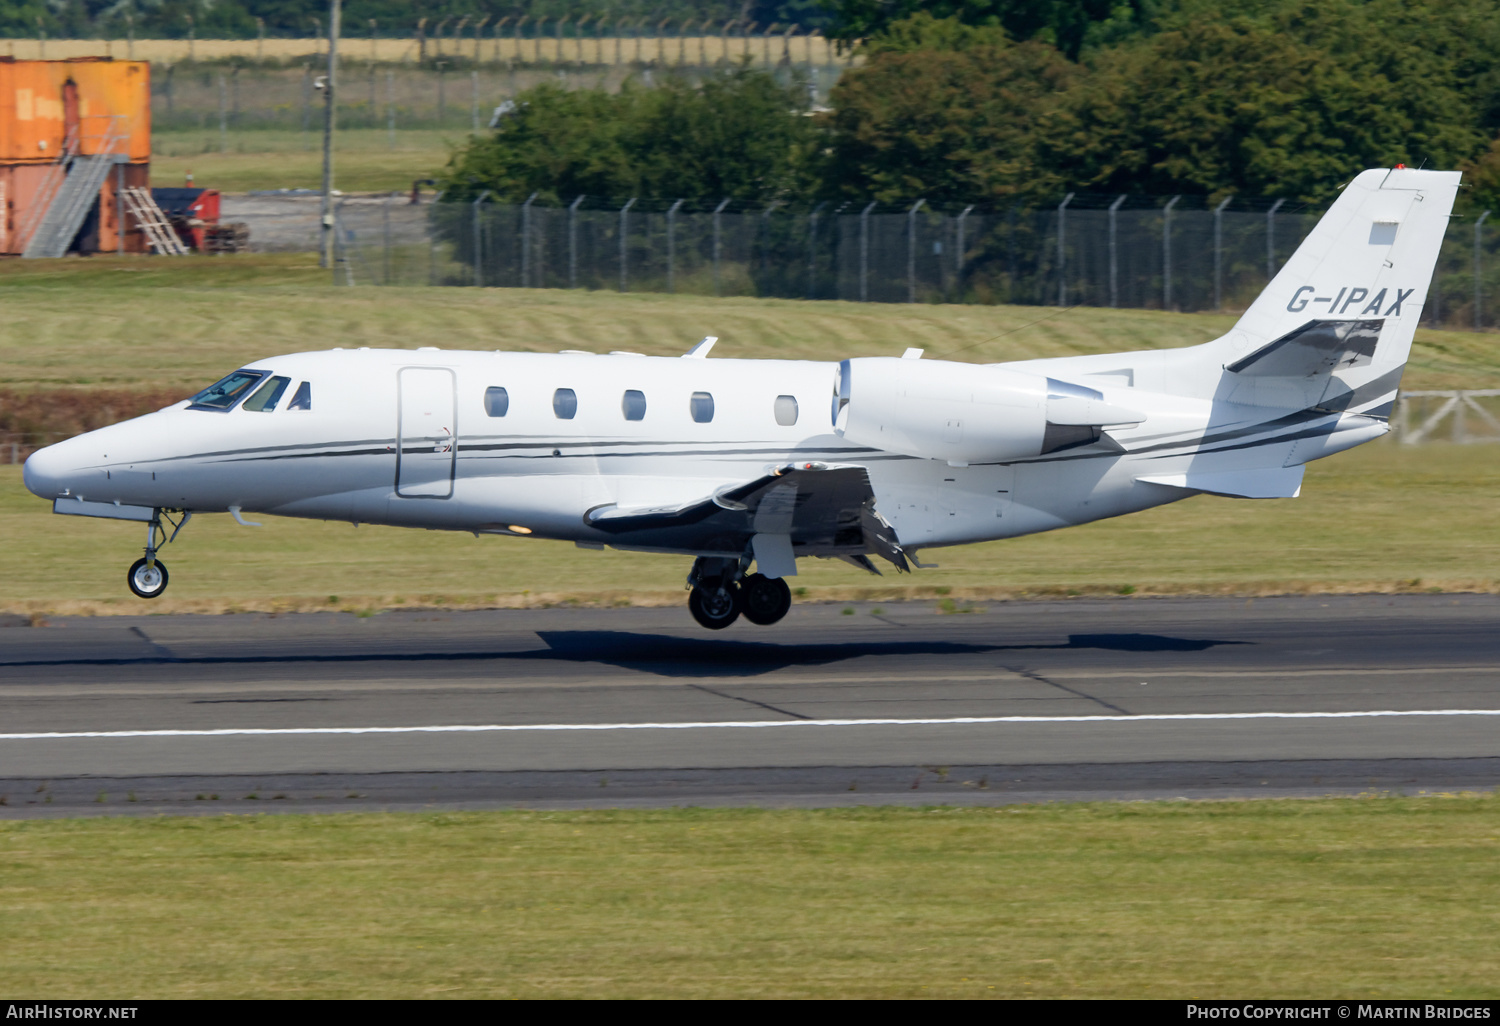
[700, 351]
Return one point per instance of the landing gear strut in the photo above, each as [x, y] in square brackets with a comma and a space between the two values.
[147, 576]
[721, 591]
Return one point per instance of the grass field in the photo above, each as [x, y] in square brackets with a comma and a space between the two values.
[149, 322]
[1379, 519]
[1377, 897]
[364, 160]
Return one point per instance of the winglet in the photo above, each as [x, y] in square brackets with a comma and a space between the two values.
[913, 354]
[700, 351]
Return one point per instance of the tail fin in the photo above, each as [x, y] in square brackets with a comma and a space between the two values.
[1334, 328]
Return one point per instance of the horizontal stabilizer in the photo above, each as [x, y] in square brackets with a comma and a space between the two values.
[1317, 347]
[1260, 483]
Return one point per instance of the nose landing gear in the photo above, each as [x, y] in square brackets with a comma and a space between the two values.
[721, 592]
[147, 576]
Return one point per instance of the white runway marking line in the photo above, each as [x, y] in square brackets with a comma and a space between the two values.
[490, 728]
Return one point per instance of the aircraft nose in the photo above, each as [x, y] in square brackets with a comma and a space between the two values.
[48, 471]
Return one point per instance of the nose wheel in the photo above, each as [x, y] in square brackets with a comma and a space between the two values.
[147, 578]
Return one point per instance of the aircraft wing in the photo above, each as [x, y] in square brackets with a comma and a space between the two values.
[824, 511]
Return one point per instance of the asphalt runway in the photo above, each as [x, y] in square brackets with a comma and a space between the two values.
[1084, 699]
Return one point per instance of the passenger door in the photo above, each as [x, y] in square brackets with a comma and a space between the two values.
[427, 433]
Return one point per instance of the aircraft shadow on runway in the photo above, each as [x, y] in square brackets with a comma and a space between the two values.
[670, 656]
[667, 655]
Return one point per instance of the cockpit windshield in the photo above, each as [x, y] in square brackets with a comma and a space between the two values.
[222, 395]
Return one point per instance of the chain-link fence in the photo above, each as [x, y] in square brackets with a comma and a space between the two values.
[1131, 252]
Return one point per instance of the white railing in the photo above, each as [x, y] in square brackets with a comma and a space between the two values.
[1420, 414]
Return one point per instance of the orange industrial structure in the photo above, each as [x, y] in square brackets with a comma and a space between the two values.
[75, 155]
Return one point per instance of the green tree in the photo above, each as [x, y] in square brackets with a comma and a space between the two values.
[1246, 108]
[1066, 24]
[737, 134]
[952, 126]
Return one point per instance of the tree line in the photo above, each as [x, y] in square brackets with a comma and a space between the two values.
[1279, 100]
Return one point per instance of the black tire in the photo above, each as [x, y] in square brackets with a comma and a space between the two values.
[764, 600]
[145, 583]
[716, 609]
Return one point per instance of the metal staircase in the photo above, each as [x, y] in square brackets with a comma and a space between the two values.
[160, 234]
[72, 199]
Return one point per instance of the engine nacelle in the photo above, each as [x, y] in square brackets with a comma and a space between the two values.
[966, 413]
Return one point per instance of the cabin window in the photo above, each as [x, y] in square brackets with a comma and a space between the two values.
[302, 400]
[496, 401]
[702, 407]
[267, 396]
[565, 403]
[222, 395]
[634, 404]
[786, 410]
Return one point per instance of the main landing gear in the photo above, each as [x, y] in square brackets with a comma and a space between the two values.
[147, 576]
[721, 591]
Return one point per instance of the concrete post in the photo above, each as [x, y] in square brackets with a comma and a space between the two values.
[1062, 251]
[1114, 253]
[1166, 253]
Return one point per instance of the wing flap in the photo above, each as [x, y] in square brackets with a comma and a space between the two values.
[820, 509]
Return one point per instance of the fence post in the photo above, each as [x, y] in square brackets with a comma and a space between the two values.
[385, 261]
[672, 246]
[223, 116]
[1478, 268]
[1219, 253]
[1166, 253]
[1271, 240]
[864, 252]
[474, 97]
[478, 246]
[526, 241]
[812, 251]
[573, 243]
[1114, 262]
[624, 225]
[911, 251]
[958, 253]
[958, 257]
[1062, 253]
[717, 211]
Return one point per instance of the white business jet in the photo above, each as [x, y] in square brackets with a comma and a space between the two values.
[742, 462]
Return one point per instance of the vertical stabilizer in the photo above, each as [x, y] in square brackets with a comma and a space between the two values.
[1335, 326]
